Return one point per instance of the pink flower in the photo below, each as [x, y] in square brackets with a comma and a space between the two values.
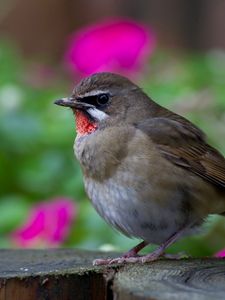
[118, 45]
[221, 253]
[48, 224]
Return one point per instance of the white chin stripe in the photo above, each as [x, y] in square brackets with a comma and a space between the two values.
[97, 114]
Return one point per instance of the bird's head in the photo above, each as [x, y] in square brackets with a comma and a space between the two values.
[105, 99]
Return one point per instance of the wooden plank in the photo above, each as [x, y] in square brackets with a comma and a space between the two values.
[195, 279]
[67, 274]
[51, 274]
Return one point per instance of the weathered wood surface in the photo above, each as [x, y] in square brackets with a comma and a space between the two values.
[69, 275]
[195, 279]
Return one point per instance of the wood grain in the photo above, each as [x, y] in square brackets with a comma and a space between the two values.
[67, 274]
[51, 275]
[195, 279]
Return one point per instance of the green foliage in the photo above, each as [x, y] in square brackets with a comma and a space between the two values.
[36, 155]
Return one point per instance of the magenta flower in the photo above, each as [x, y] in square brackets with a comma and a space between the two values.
[48, 224]
[119, 45]
[221, 253]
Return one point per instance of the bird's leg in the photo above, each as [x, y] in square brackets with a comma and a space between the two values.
[161, 249]
[153, 255]
[132, 253]
[132, 257]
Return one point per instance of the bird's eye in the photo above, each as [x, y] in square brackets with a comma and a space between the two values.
[102, 99]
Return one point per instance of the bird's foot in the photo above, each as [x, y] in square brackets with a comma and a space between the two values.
[131, 257]
[128, 258]
[152, 256]
[123, 260]
[117, 260]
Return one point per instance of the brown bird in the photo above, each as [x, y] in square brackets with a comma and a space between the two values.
[148, 171]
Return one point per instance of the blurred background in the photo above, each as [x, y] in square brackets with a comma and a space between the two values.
[175, 50]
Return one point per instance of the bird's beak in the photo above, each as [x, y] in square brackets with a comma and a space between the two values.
[68, 102]
[71, 102]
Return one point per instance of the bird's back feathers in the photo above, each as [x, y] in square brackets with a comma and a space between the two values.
[184, 145]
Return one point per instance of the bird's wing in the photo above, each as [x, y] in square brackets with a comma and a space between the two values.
[184, 145]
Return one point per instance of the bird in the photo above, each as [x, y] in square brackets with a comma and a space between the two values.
[149, 172]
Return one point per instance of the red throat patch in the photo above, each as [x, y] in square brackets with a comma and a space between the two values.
[83, 124]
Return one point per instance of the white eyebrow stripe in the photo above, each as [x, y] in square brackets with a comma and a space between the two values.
[97, 114]
[94, 93]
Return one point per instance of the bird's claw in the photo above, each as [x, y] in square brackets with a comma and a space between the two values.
[117, 260]
[138, 259]
[123, 260]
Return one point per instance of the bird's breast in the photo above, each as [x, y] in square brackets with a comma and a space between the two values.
[128, 203]
[102, 152]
